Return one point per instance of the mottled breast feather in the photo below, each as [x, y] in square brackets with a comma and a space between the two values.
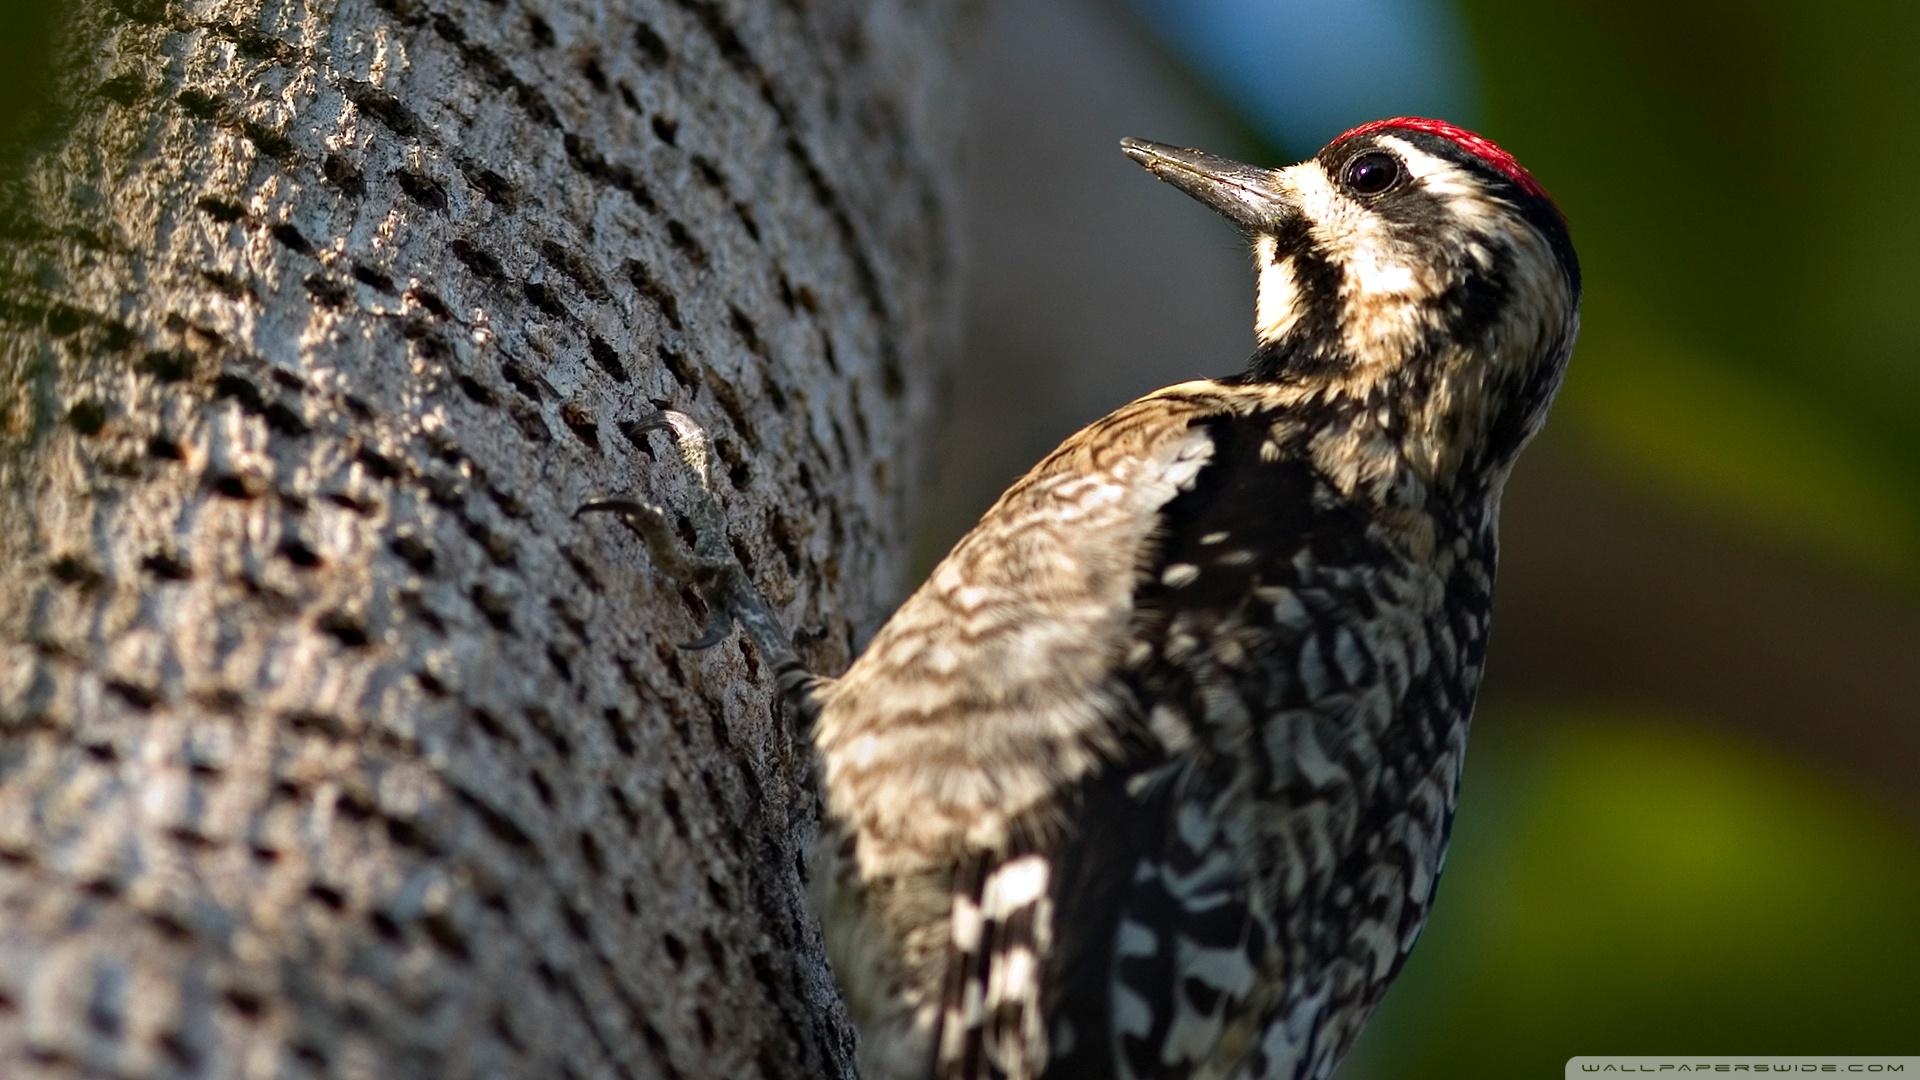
[1281, 808]
[1303, 738]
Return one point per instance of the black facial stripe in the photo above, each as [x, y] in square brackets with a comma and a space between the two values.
[1471, 305]
[1468, 309]
[1315, 340]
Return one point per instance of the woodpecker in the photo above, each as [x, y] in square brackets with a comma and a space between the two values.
[1153, 777]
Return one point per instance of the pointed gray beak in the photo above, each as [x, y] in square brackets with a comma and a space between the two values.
[1245, 194]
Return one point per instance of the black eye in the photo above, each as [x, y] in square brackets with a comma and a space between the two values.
[1373, 172]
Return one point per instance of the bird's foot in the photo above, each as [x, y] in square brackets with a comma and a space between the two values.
[710, 567]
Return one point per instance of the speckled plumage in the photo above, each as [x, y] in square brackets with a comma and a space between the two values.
[1153, 776]
[1273, 706]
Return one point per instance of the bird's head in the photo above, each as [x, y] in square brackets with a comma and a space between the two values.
[1412, 277]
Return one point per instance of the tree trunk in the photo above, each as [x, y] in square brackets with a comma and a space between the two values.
[329, 744]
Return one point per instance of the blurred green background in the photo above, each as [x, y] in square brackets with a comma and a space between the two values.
[1691, 819]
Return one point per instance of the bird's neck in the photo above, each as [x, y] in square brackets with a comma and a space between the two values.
[1395, 442]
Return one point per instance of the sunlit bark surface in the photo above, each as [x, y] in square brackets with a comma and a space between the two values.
[329, 744]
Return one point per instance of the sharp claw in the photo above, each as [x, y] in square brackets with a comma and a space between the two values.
[672, 421]
[656, 422]
[709, 567]
[614, 506]
[680, 423]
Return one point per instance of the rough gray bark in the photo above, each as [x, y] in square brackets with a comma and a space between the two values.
[329, 745]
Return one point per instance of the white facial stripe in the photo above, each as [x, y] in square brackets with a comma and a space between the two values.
[1340, 226]
[1337, 224]
[1462, 192]
[1277, 297]
[1317, 197]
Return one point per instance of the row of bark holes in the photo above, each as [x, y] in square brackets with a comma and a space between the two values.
[89, 418]
[570, 263]
[504, 828]
[440, 931]
[420, 557]
[509, 833]
[653, 50]
[349, 630]
[431, 195]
